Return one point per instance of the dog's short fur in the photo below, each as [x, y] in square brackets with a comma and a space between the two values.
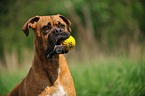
[49, 74]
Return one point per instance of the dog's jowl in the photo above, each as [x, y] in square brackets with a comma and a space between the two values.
[49, 74]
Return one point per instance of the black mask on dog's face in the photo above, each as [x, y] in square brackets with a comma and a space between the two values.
[54, 47]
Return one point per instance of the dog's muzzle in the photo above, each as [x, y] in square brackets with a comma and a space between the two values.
[54, 47]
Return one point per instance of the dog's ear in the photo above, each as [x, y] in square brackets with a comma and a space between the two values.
[29, 24]
[66, 21]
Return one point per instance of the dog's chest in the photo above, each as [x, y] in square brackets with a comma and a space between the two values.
[59, 92]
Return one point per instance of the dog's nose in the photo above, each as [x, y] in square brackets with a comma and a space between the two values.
[57, 31]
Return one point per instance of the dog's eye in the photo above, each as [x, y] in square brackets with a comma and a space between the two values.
[62, 26]
[46, 28]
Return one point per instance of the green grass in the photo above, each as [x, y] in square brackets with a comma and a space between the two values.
[116, 77]
[9, 81]
[111, 77]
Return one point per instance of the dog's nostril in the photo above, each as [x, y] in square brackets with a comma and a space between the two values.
[55, 31]
[60, 30]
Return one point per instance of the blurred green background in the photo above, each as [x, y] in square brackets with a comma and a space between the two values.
[108, 59]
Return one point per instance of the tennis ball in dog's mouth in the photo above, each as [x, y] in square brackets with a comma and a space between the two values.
[69, 43]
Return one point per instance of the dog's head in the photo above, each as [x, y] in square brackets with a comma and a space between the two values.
[48, 30]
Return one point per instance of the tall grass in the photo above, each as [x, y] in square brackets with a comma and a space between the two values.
[106, 77]
[116, 77]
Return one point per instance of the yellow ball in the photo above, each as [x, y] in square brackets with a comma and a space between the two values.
[69, 43]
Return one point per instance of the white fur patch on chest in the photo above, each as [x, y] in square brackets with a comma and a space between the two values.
[59, 92]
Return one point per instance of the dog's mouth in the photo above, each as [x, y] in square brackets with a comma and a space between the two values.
[54, 46]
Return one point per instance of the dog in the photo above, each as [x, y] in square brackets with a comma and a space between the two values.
[49, 74]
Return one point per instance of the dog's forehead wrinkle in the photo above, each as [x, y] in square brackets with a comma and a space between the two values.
[45, 19]
[50, 20]
[57, 20]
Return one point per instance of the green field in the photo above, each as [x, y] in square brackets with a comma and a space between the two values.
[111, 77]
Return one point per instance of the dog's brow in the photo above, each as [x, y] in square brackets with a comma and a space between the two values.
[60, 23]
[46, 24]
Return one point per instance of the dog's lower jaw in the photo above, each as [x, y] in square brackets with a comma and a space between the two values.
[58, 49]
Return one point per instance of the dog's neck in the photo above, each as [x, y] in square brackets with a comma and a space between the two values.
[48, 66]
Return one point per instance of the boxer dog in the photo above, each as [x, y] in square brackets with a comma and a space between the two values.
[49, 74]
